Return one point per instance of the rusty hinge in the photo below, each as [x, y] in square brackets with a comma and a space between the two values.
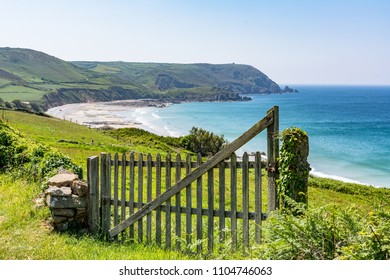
[271, 168]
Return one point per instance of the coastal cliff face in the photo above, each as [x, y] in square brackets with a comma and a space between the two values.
[32, 80]
[80, 95]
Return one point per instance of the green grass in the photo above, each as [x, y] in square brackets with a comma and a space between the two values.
[364, 199]
[50, 131]
[10, 93]
[90, 142]
[106, 69]
[33, 66]
[4, 82]
[26, 234]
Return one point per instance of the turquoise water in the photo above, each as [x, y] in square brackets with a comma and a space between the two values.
[348, 126]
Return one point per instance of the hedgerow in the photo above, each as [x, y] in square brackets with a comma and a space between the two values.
[327, 233]
[24, 158]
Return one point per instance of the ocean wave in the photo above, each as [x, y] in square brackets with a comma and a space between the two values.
[172, 133]
[154, 114]
[319, 174]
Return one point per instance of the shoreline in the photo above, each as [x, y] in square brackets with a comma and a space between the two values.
[105, 114]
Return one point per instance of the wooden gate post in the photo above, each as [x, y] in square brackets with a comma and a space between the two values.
[105, 186]
[273, 154]
[93, 194]
[294, 167]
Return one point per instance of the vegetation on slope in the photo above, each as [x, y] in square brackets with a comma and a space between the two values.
[168, 77]
[26, 159]
[197, 141]
[26, 234]
[326, 233]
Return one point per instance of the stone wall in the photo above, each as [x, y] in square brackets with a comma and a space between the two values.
[67, 200]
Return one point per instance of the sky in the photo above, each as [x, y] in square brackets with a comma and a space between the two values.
[292, 42]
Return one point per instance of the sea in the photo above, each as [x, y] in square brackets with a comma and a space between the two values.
[348, 126]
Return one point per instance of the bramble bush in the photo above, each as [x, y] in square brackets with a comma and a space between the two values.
[327, 233]
[203, 142]
[26, 159]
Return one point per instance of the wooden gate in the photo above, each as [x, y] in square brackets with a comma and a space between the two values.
[132, 198]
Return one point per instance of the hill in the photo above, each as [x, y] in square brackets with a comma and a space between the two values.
[34, 80]
[166, 77]
[22, 66]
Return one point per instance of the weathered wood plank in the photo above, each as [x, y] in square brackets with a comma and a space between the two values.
[131, 192]
[105, 186]
[199, 206]
[258, 198]
[158, 193]
[123, 191]
[205, 212]
[168, 183]
[140, 195]
[210, 204]
[272, 154]
[93, 194]
[193, 164]
[233, 200]
[245, 200]
[188, 203]
[149, 198]
[178, 203]
[209, 164]
[222, 195]
[116, 190]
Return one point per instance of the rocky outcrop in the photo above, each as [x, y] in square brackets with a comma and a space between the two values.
[165, 82]
[82, 95]
[287, 89]
[66, 197]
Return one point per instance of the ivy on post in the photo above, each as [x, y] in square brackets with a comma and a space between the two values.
[273, 154]
[294, 168]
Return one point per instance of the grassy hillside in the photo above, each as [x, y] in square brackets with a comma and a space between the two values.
[30, 76]
[29, 66]
[25, 234]
[42, 81]
[166, 78]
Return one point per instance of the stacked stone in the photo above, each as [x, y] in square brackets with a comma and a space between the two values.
[67, 200]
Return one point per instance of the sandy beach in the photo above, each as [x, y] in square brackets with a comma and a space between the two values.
[104, 114]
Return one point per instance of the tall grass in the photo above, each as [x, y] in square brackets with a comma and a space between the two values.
[26, 233]
[327, 233]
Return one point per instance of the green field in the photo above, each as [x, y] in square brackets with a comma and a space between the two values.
[10, 93]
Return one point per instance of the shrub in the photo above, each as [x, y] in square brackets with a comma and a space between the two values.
[52, 161]
[327, 233]
[293, 167]
[26, 159]
[203, 142]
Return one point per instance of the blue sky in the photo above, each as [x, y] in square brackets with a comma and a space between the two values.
[293, 42]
